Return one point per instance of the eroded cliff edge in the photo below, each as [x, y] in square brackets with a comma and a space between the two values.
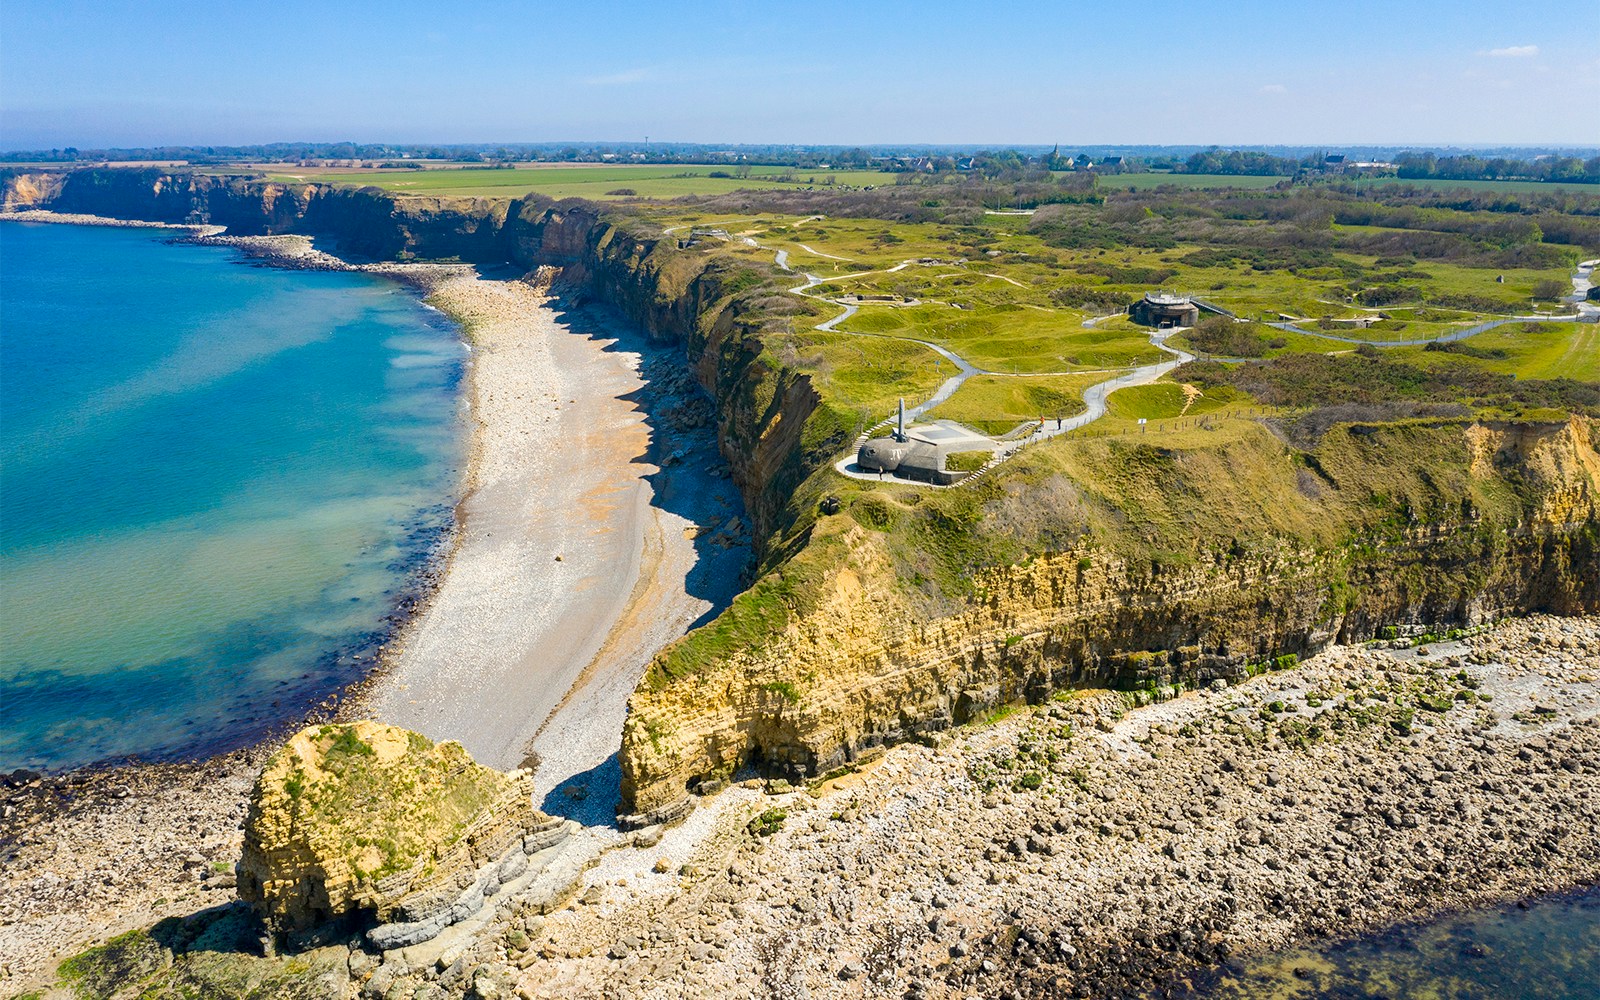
[849, 640]
[863, 668]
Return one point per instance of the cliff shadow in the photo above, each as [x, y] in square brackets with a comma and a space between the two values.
[590, 797]
[692, 479]
[705, 537]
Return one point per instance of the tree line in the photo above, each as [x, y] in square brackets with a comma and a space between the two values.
[1559, 169]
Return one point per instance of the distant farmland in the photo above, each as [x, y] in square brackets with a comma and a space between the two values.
[595, 182]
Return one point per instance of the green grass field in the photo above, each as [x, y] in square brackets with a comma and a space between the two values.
[1526, 350]
[596, 183]
[992, 290]
[1010, 339]
[865, 374]
[995, 404]
[1164, 401]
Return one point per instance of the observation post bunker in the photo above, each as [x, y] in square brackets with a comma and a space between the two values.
[1164, 309]
[919, 452]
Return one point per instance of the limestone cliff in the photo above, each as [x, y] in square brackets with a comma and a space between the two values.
[865, 668]
[372, 824]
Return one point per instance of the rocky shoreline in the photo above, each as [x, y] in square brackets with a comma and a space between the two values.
[1081, 848]
[1084, 850]
[53, 827]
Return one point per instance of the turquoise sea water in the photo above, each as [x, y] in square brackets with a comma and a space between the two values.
[216, 483]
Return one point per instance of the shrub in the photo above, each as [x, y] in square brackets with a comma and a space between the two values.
[1551, 289]
[350, 744]
[1467, 350]
[783, 689]
[768, 823]
[1090, 297]
[1368, 377]
[1227, 338]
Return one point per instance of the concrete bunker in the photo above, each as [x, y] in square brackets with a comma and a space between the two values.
[1164, 309]
[919, 452]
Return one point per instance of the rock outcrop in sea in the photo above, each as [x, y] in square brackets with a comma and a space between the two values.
[375, 826]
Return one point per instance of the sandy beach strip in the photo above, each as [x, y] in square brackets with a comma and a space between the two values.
[573, 553]
[568, 564]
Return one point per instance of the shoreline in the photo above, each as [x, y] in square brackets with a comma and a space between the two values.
[974, 882]
[323, 704]
[581, 729]
[651, 514]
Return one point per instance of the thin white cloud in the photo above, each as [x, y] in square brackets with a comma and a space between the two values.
[1274, 88]
[623, 78]
[1512, 52]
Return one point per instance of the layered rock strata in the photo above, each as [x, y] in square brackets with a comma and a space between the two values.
[861, 671]
[371, 824]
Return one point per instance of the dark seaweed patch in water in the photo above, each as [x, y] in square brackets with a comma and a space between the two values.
[1545, 950]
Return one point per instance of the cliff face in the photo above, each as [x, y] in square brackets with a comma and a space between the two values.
[371, 823]
[861, 670]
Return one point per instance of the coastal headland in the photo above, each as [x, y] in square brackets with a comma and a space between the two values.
[809, 768]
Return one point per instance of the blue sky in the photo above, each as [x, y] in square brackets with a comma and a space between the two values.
[817, 71]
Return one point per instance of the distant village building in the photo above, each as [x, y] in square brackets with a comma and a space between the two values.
[1161, 309]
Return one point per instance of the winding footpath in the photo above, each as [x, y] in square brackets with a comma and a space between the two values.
[1095, 396]
[1582, 281]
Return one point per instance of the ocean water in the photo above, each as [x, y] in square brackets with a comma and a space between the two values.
[217, 482]
[1548, 950]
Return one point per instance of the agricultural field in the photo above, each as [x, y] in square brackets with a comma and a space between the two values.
[594, 182]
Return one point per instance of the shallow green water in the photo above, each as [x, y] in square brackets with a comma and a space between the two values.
[216, 481]
[1549, 951]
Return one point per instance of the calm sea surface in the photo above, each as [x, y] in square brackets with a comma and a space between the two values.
[216, 481]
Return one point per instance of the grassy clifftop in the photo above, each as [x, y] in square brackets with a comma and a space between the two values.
[1113, 561]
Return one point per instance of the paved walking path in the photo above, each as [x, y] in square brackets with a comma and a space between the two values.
[1095, 396]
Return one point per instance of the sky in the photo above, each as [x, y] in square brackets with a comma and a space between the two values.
[990, 72]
